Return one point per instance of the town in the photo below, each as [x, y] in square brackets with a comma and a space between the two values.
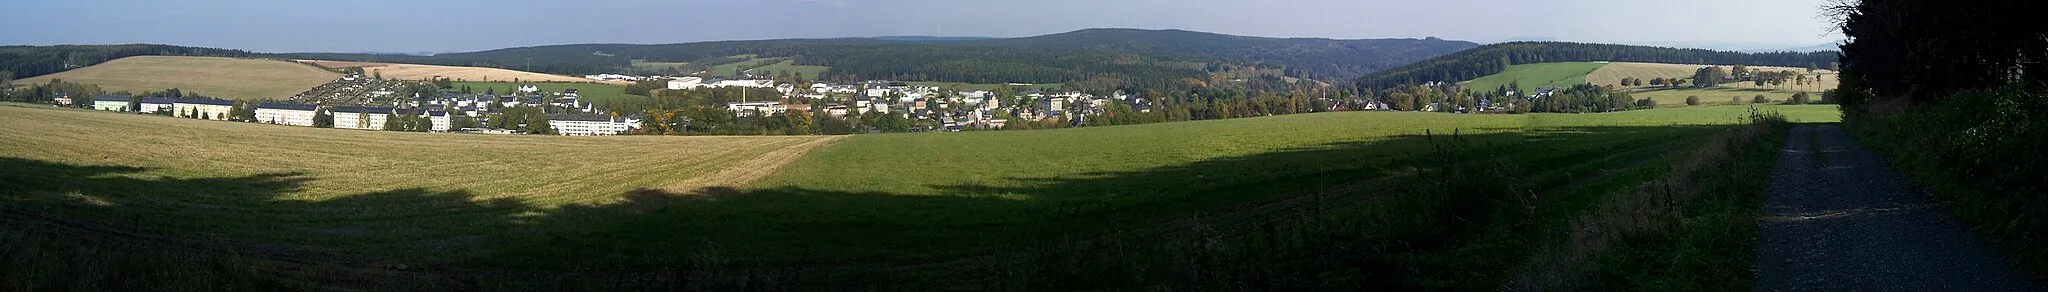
[364, 102]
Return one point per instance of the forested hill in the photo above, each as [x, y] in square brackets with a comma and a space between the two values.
[31, 61]
[1121, 53]
[1492, 59]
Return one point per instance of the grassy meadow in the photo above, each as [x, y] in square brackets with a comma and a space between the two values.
[403, 196]
[211, 76]
[1393, 199]
[1533, 76]
[807, 72]
[1715, 96]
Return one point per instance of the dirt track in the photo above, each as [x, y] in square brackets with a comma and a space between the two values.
[1836, 218]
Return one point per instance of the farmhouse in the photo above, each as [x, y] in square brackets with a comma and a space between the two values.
[292, 114]
[587, 124]
[210, 109]
[119, 103]
[361, 118]
[156, 105]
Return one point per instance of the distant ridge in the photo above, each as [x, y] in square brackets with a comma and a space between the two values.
[928, 38]
[1133, 54]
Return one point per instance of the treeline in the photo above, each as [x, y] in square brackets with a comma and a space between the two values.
[1495, 58]
[1058, 58]
[1956, 92]
[31, 61]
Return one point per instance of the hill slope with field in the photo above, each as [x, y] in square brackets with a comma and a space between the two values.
[898, 210]
[1055, 58]
[211, 76]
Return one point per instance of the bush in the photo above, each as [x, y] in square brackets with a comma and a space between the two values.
[1692, 100]
[1799, 98]
[1979, 151]
[1646, 103]
[1760, 99]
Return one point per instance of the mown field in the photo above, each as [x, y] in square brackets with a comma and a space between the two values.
[425, 72]
[406, 197]
[788, 65]
[1715, 96]
[1087, 208]
[596, 93]
[1533, 76]
[210, 76]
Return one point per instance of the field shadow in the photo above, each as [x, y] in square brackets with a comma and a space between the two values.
[776, 238]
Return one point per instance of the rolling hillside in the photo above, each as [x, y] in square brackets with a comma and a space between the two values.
[937, 211]
[211, 76]
[1154, 54]
[1495, 58]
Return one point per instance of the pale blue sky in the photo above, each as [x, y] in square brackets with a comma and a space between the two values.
[469, 25]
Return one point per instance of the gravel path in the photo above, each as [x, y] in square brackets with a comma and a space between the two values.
[1836, 218]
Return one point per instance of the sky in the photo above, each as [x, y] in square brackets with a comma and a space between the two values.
[280, 26]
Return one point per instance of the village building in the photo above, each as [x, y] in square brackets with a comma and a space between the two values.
[209, 109]
[684, 83]
[440, 119]
[587, 124]
[119, 103]
[292, 114]
[361, 118]
[156, 105]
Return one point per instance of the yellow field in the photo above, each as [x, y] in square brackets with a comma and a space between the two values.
[412, 195]
[210, 76]
[478, 74]
[1612, 74]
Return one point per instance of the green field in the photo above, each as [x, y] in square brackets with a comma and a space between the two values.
[599, 94]
[1714, 95]
[1533, 76]
[807, 72]
[946, 211]
[645, 65]
[210, 76]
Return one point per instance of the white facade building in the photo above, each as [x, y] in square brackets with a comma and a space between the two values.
[286, 114]
[119, 103]
[441, 120]
[682, 83]
[587, 125]
[361, 118]
[207, 109]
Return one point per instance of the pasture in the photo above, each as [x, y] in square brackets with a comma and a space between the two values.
[1533, 76]
[942, 210]
[596, 93]
[1612, 74]
[407, 197]
[1714, 95]
[788, 65]
[211, 76]
[425, 72]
